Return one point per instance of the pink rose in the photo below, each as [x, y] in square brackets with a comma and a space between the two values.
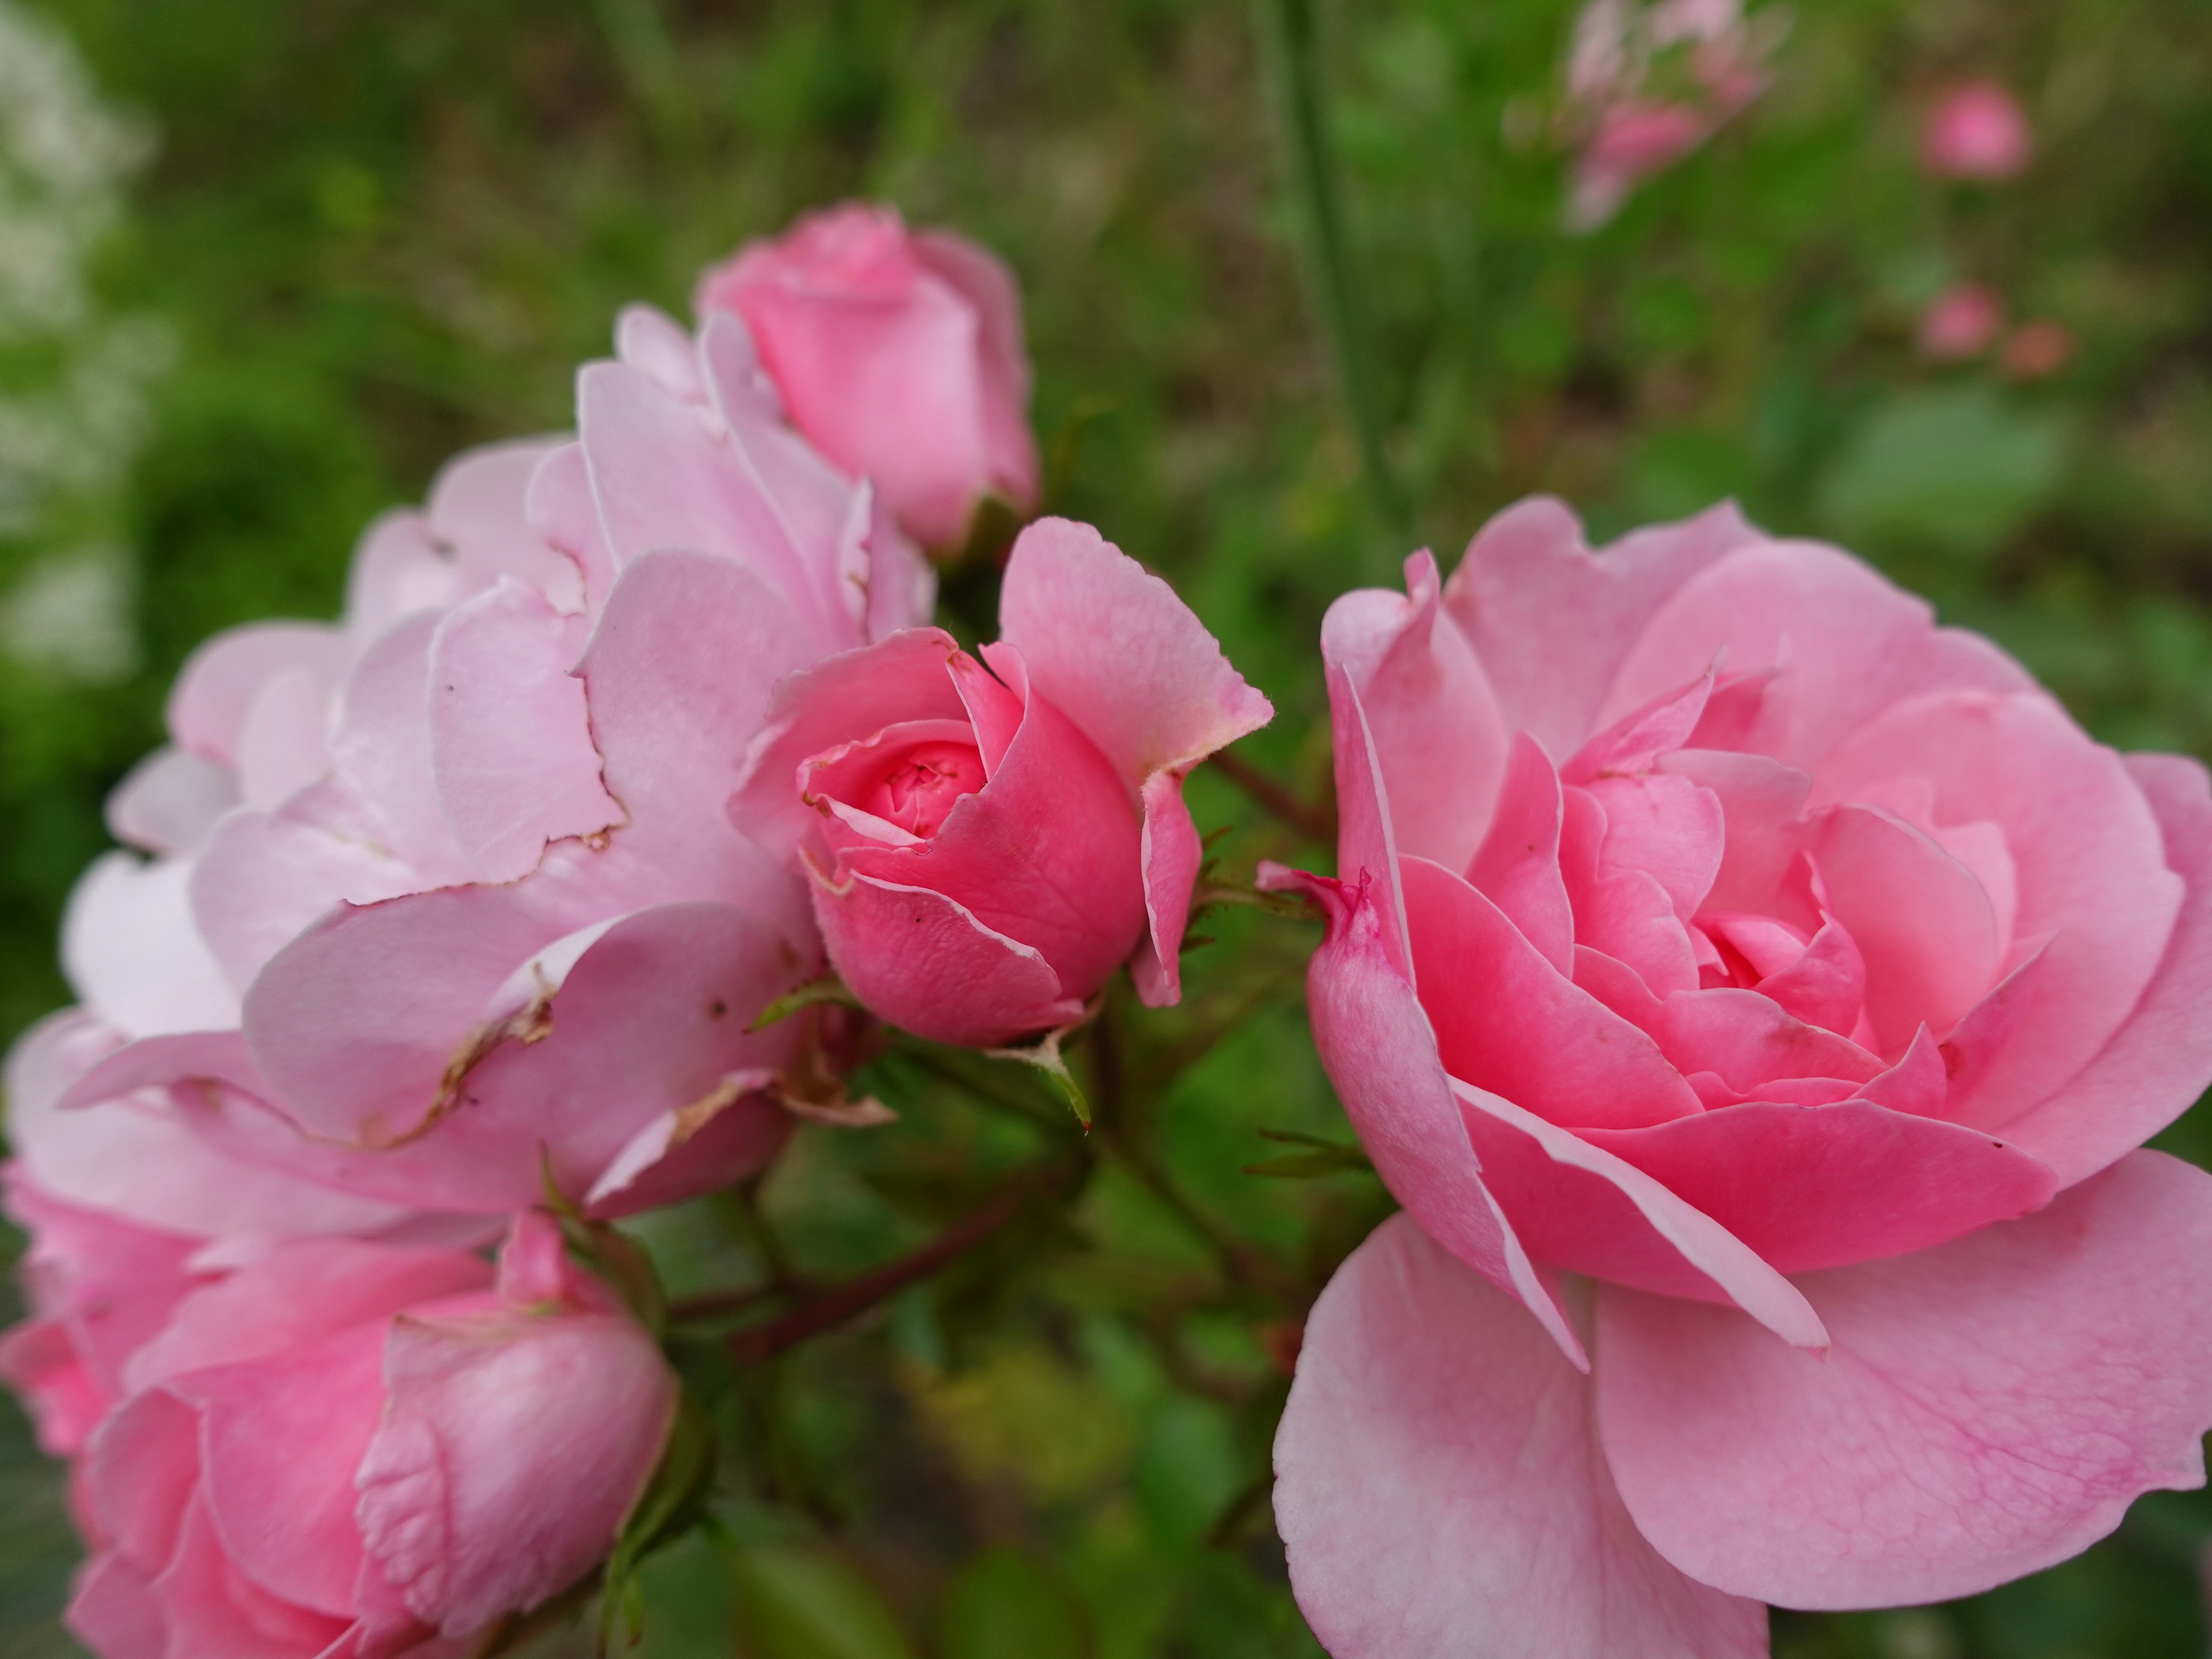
[899, 356]
[1626, 131]
[987, 842]
[2037, 348]
[1755, 994]
[444, 900]
[1977, 131]
[127, 1211]
[1960, 322]
[99, 1288]
[361, 1449]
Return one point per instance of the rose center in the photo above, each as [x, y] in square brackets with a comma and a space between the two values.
[920, 788]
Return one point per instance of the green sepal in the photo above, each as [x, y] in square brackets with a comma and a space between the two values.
[663, 1511]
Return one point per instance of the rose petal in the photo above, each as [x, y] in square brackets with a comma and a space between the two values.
[2161, 1060]
[1506, 1021]
[1442, 746]
[1438, 1483]
[1990, 1406]
[1823, 1186]
[510, 739]
[924, 961]
[2090, 865]
[1551, 620]
[1577, 1207]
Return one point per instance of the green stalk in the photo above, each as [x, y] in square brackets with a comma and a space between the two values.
[1306, 94]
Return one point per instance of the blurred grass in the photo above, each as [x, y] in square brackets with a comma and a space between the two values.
[377, 233]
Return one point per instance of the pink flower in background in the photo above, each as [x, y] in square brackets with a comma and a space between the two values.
[1962, 322]
[1977, 131]
[358, 1447]
[445, 901]
[899, 355]
[1756, 995]
[2037, 348]
[987, 840]
[1629, 120]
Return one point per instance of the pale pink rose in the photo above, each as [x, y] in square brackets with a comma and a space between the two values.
[445, 900]
[358, 1448]
[988, 840]
[1755, 994]
[1977, 131]
[899, 355]
[1960, 322]
[2037, 348]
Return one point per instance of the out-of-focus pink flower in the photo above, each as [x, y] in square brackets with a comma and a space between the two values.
[988, 840]
[2037, 348]
[127, 1210]
[1797, 979]
[1962, 322]
[899, 355]
[1629, 118]
[100, 1287]
[445, 901]
[1977, 131]
[361, 1449]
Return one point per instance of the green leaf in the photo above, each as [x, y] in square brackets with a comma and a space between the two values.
[665, 1506]
[1006, 1605]
[1953, 469]
[1046, 1057]
[807, 1601]
[1322, 1157]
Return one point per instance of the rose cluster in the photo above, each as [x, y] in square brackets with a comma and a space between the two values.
[453, 923]
[1756, 995]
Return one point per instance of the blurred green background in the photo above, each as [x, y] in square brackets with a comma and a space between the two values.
[264, 262]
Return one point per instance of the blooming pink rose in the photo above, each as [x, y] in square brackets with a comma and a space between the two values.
[899, 356]
[357, 1449]
[1755, 994]
[1977, 131]
[445, 899]
[988, 840]
[1960, 322]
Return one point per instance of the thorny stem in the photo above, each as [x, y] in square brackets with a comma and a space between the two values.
[1316, 164]
[1314, 823]
[756, 1344]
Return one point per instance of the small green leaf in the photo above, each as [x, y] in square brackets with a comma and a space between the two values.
[1007, 1605]
[1046, 1057]
[807, 1601]
[827, 988]
[662, 1511]
[1320, 1156]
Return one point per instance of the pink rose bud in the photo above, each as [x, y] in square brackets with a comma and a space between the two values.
[988, 840]
[1960, 322]
[356, 1448]
[898, 354]
[2037, 348]
[1977, 131]
[1757, 996]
